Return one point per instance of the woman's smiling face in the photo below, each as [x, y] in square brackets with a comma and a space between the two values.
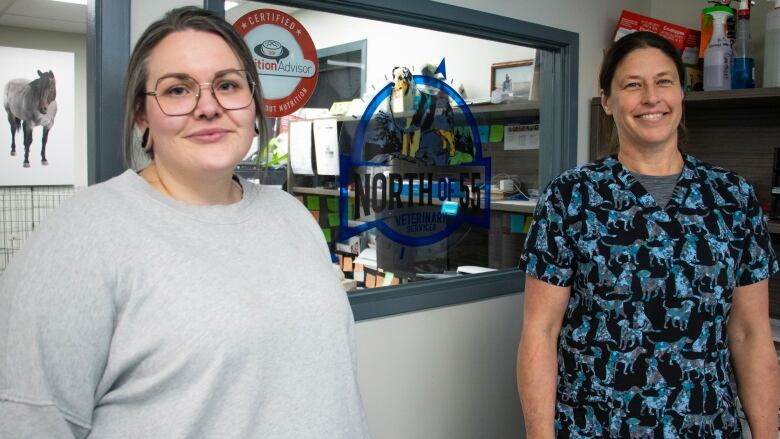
[645, 100]
[210, 139]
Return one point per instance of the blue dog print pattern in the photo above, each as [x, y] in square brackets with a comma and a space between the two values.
[642, 350]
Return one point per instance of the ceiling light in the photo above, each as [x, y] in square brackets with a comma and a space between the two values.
[230, 5]
[76, 2]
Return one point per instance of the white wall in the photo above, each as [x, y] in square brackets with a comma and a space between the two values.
[468, 59]
[64, 42]
[145, 12]
[443, 373]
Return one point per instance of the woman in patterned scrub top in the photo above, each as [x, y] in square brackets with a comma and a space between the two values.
[646, 279]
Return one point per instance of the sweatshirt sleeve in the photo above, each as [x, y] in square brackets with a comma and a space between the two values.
[56, 322]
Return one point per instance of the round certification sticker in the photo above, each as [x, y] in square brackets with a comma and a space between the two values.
[285, 57]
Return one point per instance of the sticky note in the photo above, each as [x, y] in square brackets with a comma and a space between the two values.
[528, 222]
[496, 133]
[415, 143]
[449, 208]
[328, 236]
[388, 280]
[517, 223]
[460, 130]
[313, 202]
[333, 219]
[333, 204]
[484, 133]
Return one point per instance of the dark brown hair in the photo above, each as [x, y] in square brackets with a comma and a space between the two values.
[177, 20]
[620, 50]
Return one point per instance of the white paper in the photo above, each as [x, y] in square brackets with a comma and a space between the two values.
[326, 146]
[367, 257]
[520, 136]
[300, 147]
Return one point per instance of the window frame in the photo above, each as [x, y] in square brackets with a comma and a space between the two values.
[559, 59]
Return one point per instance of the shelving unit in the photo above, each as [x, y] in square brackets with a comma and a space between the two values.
[736, 129]
[498, 247]
[523, 163]
[516, 206]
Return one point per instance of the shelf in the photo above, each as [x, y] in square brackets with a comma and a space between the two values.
[513, 206]
[773, 226]
[754, 97]
[492, 111]
[741, 94]
[315, 191]
[504, 111]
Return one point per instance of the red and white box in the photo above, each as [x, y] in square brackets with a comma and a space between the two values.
[686, 40]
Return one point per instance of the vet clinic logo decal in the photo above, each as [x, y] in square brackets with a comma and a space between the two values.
[285, 57]
[416, 175]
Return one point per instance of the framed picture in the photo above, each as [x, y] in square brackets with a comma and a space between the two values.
[38, 89]
[513, 78]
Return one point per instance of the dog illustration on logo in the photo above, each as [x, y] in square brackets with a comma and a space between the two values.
[402, 98]
[271, 49]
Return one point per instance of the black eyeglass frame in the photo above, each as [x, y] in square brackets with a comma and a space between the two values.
[250, 82]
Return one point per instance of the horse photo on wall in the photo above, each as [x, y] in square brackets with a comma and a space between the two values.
[38, 89]
[29, 104]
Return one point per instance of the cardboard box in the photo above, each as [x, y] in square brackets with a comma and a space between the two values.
[684, 39]
[694, 78]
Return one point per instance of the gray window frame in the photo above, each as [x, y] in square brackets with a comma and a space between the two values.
[108, 54]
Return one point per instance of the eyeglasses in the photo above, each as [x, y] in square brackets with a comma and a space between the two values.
[178, 95]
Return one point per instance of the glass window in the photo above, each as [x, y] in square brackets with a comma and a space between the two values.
[418, 150]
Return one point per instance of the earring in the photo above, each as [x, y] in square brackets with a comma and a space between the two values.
[257, 129]
[145, 144]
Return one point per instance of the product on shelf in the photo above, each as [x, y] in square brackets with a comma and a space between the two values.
[772, 47]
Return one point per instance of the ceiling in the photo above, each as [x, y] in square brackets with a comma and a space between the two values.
[63, 17]
[44, 14]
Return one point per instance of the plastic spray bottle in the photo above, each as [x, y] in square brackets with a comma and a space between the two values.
[772, 47]
[718, 56]
[742, 72]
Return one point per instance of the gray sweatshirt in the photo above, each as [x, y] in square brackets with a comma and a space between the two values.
[130, 315]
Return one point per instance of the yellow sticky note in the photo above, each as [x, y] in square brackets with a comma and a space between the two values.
[333, 219]
[333, 204]
[415, 143]
[388, 279]
[528, 222]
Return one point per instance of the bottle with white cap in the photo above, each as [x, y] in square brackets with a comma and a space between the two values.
[772, 47]
[719, 55]
[742, 72]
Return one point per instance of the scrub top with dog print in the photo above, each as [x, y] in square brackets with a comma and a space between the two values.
[642, 351]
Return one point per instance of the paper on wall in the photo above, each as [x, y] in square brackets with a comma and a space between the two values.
[300, 147]
[326, 146]
[521, 136]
